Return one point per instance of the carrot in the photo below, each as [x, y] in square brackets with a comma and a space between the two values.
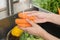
[24, 25]
[59, 11]
[21, 15]
[21, 21]
[32, 18]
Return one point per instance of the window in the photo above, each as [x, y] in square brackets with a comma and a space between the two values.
[2, 5]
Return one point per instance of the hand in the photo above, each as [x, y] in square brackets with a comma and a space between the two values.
[34, 30]
[41, 17]
[39, 31]
[45, 17]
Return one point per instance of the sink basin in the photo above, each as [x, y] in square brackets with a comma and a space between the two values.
[6, 25]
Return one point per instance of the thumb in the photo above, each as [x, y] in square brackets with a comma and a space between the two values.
[24, 29]
[40, 20]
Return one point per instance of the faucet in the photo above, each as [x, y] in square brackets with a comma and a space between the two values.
[10, 9]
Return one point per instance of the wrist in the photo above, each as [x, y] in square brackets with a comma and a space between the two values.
[48, 36]
[44, 34]
[55, 19]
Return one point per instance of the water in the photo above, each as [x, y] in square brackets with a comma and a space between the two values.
[24, 4]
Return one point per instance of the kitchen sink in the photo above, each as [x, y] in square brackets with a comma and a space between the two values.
[8, 23]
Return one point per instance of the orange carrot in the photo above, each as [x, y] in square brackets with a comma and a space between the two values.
[32, 18]
[24, 25]
[21, 15]
[59, 11]
[21, 21]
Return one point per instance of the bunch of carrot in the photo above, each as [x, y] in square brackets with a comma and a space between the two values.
[21, 21]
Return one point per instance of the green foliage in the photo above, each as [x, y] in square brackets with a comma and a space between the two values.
[50, 5]
[27, 36]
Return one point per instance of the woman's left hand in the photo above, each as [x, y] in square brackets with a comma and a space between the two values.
[38, 31]
[35, 29]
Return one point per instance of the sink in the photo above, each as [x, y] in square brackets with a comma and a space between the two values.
[8, 23]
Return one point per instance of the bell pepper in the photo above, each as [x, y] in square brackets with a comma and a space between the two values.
[16, 31]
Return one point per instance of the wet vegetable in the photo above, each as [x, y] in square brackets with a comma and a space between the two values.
[22, 15]
[16, 31]
[27, 36]
[24, 25]
[25, 16]
[21, 21]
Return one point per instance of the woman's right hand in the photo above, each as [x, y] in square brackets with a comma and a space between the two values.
[42, 17]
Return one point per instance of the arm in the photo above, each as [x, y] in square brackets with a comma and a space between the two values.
[45, 17]
[48, 36]
[55, 18]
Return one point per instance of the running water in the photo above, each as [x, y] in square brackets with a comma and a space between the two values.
[23, 7]
[25, 4]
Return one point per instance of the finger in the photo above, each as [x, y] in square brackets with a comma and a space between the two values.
[28, 30]
[30, 13]
[25, 29]
[31, 22]
[41, 20]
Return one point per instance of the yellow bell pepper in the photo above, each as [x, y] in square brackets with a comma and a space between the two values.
[16, 31]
